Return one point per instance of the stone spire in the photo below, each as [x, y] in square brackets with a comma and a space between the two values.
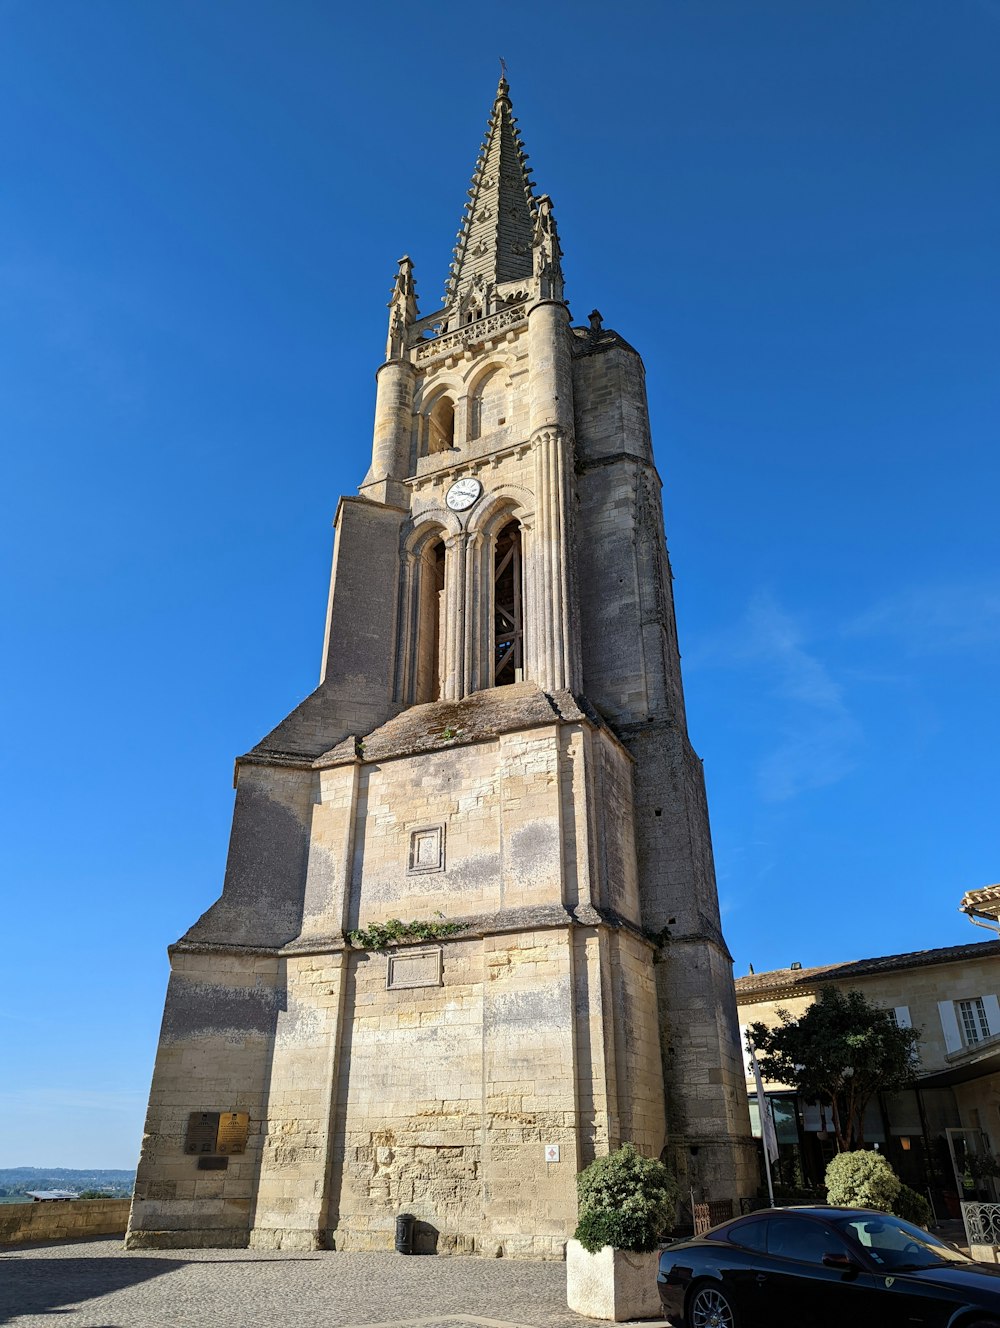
[494, 244]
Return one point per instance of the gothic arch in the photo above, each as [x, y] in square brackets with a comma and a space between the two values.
[422, 617]
[504, 503]
[436, 521]
[439, 426]
[510, 505]
[489, 401]
[484, 367]
[439, 409]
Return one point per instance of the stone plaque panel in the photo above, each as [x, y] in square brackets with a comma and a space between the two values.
[414, 968]
[217, 1132]
[234, 1126]
[426, 850]
[202, 1132]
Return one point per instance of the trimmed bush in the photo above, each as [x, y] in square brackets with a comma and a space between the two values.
[622, 1231]
[911, 1206]
[626, 1201]
[862, 1180]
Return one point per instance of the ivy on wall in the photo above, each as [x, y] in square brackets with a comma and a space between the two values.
[380, 935]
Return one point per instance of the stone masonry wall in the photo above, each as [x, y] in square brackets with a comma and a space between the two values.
[632, 674]
[215, 1054]
[296, 1131]
[443, 1107]
[498, 806]
[62, 1219]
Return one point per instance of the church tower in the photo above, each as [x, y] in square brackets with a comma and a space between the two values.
[469, 935]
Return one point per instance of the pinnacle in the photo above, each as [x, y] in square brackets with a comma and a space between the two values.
[494, 243]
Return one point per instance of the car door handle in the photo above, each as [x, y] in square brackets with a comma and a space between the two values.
[761, 1277]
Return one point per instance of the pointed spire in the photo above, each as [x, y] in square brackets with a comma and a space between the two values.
[402, 308]
[494, 244]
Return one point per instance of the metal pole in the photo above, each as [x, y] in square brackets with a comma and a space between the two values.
[767, 1166]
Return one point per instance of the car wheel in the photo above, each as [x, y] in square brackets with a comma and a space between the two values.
[710, 1307]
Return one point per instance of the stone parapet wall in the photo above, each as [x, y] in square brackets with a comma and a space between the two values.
[62, 1219]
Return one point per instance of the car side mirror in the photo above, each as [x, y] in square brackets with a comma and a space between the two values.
[842, 1261]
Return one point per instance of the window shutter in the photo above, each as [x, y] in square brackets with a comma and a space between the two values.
[949, 1026]
[992, 1007]
[903, 1017]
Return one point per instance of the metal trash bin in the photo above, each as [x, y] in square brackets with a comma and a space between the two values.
[405, 1224]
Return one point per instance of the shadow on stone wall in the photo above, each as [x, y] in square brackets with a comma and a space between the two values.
[425, 1238]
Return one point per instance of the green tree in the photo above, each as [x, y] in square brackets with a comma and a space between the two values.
[842, 1050]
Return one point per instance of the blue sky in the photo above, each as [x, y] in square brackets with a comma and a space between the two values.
[789, 208]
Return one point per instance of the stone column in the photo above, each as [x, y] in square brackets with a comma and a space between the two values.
[457, 591]
[551, 611]
[461, 435]
[406, 656]
[393, 429]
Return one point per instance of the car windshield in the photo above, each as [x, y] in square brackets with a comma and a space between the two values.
[891, 1243]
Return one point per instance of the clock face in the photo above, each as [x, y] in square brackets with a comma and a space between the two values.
[462, 494]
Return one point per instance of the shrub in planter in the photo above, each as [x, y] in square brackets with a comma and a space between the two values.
[627, 1201]
[622, 1231]
[862, 1180]
[911, 1206]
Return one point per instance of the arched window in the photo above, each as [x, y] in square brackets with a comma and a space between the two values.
[441, 426]
[430, 623]
[508, 607]
[489, 404]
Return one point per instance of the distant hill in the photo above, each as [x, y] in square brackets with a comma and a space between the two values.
[15, 1182]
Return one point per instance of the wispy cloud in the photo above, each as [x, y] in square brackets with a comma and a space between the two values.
[935, 619]
[816, 735]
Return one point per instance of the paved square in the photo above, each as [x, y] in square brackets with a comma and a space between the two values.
[97, 1284]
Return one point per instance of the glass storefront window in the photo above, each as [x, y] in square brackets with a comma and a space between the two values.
[784, 1115]
[785, 1127]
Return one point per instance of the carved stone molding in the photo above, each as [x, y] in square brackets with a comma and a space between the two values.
[472, 333]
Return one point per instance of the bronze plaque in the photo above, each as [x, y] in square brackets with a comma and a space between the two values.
[234, 1126]
[202, 1132]
[213, 1163]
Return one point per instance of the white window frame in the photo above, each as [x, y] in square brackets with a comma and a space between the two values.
[972, 1021]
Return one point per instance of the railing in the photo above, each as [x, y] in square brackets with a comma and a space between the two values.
[982, 1223]
[708, 1215]
[469, 333]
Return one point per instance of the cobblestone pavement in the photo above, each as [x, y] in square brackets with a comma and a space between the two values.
[96, 1284]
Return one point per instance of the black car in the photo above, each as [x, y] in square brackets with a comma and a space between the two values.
[820, 1267]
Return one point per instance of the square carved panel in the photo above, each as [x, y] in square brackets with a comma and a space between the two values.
[426, 850]
[413, 968]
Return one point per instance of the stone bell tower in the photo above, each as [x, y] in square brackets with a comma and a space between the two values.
[468, 936]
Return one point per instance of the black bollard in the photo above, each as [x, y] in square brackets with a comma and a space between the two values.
[405, 1224]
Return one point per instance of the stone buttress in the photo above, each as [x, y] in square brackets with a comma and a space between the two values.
[496, 757]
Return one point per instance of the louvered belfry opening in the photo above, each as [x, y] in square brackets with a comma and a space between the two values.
[430, 633]
[441, 426]
[508, 607]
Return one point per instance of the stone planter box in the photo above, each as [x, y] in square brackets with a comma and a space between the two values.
[612, 1284]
